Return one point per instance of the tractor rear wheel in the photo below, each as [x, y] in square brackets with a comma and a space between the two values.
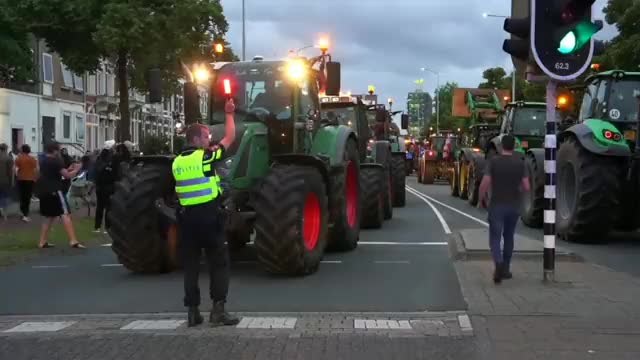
[475, 176]
[398, 164]
[588, 193]
[291, 220]
[388, 198]
[419, 171]
[428, 174]
[533, 201]
[463, 178]
[143, 239]
[372, 187]
[453, 179]
[343, 236]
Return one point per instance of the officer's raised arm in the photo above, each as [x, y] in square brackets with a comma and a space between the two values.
[229, 125]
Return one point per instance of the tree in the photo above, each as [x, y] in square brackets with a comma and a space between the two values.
[15, 55]
[495, 79]
[623, 51]
[134, 34]
[447, 121]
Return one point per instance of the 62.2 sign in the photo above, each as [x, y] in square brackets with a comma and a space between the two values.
[561, 66]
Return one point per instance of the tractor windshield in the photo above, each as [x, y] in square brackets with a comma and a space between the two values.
[343, 115]
[529, 121]
[259, 93]
[623, 105]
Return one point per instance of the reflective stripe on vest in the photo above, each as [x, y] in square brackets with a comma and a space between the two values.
[192, 186]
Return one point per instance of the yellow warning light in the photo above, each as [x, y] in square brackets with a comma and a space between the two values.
[371, 89]
[218, 48]
[563, 100]
[323, 44]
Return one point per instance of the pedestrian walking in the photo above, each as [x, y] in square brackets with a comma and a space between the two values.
[506, 176]
[53, 202]
[26, 172]
[201, 219]
[105, 182]
[6, 179]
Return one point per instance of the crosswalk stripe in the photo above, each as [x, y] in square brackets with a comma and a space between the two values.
[267, 323]
[153, 325]
[382, 324]
[41, 326]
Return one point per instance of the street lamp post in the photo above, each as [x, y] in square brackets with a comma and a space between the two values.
[244, 37]
[437, 96]
[513, 73]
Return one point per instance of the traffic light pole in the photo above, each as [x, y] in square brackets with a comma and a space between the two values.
[549, 252]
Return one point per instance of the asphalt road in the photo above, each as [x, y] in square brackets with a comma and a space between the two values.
[620, 251]
[404, 267]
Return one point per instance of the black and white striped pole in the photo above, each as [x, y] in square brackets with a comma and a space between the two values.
[549, 252]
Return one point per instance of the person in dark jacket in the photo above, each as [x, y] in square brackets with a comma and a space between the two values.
[67, 160]
[105, 182]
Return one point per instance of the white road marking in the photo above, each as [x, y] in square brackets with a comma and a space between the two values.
[331, 261]
[420, 196]
[106, 245]
[438, 243]
[50, 266]
[451, 208]
[110, 265]
[382, 324]
[392, 262]
[465, 322]
[41, 326]
[153, 325]
[267, 323]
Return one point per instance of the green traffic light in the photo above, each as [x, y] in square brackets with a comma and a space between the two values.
[576, 38]
[568, 43]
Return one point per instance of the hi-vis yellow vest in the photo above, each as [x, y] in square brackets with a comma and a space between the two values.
[193, 186]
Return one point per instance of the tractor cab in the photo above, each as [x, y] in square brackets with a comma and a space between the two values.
[348, 111]
[264, 92]
[611, 96]
[480, 135]
[526, 122]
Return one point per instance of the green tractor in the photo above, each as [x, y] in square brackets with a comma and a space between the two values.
[483, 107]
[597, 161]
[376, 188]
[290, 178]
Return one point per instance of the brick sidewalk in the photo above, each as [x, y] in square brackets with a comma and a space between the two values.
[588, 313]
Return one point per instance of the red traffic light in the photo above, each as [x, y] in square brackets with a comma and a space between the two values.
[227, 86]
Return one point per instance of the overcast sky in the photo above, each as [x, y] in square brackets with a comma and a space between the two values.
[382, 42]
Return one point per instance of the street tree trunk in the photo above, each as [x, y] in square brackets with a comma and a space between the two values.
[124, 125]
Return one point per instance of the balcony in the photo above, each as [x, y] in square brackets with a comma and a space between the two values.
[136, 100]
[106, 104]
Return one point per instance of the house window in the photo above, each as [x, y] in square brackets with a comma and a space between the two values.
[101, 83]
[66, 76]
[77, 82]
[47, 68]
[91, 85]
[80, 128]
[66, 125]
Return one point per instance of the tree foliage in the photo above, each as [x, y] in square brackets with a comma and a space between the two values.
[496, 78]
[16, 63]
[136, 35]
[623, 51]
[447, 121]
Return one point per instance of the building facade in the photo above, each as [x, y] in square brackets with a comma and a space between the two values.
[420, 110]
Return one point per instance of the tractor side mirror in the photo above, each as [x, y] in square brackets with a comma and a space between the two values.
[154, 81]
[333, 78]
[404, 121]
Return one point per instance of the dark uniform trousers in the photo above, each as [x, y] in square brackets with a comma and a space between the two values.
[202, 227]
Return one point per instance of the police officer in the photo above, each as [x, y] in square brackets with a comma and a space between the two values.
[200, 219]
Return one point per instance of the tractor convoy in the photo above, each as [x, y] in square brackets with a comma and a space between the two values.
[297, 179]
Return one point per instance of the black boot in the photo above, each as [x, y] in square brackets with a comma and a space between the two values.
[194, 318]
[497, 274]
[220, 317]
[506, 271]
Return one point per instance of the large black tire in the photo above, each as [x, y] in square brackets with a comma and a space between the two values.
[343, 235]
[291, 220]
[475, 177]
[453, 181]
[533, 201]
[138, 231]
[428, 172]
[388, 198]
[398, 163]
[419, 171]
[372, 187]
[463, 178]
[588, 201]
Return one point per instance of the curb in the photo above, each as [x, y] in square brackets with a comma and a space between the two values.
[458, 252]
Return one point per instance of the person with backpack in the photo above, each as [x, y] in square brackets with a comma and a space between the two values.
[105, 178]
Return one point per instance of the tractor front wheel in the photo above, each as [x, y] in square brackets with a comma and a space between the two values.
[453, 179]
[343, 236]
[291, 220]
[463, 178]
[475, 176]
[428, 172]
[142, 238]
[398, 179]
[372, 186]
[588, 193]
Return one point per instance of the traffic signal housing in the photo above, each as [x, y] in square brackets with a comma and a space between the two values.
[562, 37]
[518, 45]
